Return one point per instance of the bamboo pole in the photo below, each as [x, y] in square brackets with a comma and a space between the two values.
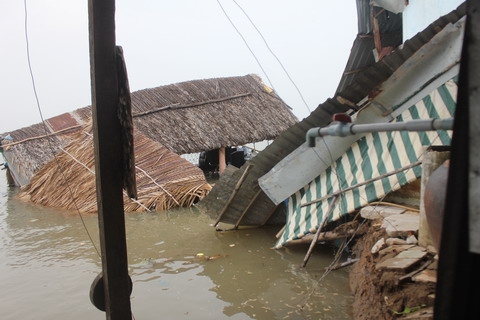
[323, 236]
[42, 136]
[234, 193]
[391, 173]
[196, 104]
[221, 160]
[282, 230]
[342, 265]
[315, 238]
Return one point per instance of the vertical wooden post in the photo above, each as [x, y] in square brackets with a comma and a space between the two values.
[320, 227]
[457, 293]
[222, 163]
[108, 159]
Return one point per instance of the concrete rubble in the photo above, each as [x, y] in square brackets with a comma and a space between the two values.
[398, 257]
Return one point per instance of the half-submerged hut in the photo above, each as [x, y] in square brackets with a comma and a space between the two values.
[182, 118]
[164, 180]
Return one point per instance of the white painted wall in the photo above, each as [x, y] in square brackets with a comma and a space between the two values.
[420, 13]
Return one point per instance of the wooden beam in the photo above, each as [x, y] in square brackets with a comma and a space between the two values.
[222, 163]
[108, 159]
[408, 167]
[196, 104]
[457, 293]
[234, 193]
[317, 234]
[324, 236]
[42, 136]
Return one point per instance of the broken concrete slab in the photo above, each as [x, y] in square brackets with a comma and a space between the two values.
[394, 249]
[412, 254]
[395, 241]
[426, 276]
[380, 211]
[401, 225]
[397, 264]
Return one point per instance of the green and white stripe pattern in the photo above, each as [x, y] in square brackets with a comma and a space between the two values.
[372, 156]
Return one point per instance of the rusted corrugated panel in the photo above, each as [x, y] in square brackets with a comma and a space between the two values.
[361, 57]
[61, 122]
[375, 75]
[388, 21]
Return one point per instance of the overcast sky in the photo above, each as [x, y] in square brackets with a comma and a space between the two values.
[166, 42]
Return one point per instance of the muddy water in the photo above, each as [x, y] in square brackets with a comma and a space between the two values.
[180, 266]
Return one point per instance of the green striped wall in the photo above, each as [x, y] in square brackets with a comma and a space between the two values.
[371, 156]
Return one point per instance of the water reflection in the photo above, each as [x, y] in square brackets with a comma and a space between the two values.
[180, 266]
[37, 236]
[270, 284]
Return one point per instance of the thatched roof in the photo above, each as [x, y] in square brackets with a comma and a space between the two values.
[201, 115]
[33, 146]
[186, 117]
[164, 179]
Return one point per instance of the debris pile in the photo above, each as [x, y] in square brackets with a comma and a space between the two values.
[394, 278]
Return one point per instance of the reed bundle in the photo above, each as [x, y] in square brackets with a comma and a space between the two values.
[164, 179]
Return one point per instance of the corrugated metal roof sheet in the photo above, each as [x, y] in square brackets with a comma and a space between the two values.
[388, 22]
[372, 77]
[61, 122]
[362, 57]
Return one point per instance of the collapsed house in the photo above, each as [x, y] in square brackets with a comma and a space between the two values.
[385, 81]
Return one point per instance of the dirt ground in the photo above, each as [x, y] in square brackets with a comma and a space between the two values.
[384, 294]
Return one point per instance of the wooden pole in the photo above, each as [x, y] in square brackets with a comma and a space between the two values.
[343, 264]
[317, 234]
[457, 294]
[108, 159]
[324, 236]
[222, 163]
[391, 173]
[234, 193]
[196, 104]
[42, 136]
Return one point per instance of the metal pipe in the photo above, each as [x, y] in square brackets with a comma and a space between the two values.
[343, 129]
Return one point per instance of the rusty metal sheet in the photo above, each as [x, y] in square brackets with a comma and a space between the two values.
[61, 122]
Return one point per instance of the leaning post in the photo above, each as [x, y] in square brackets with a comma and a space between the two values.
[108, 159]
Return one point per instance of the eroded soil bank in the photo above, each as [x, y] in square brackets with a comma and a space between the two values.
[391, 292]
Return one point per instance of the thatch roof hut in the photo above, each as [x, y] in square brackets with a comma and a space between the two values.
[164, 179]
[186, 117]
[27, 149]
[202, 115]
